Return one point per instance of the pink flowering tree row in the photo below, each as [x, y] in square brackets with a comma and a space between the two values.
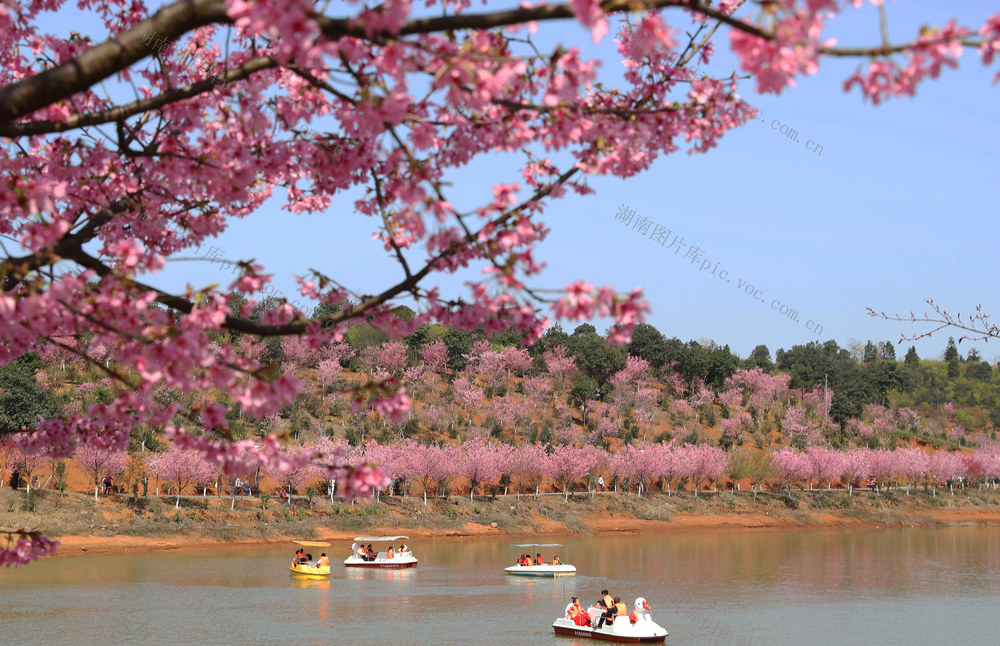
[910, 465]
[642, 465]
[100, 463]
[431, 467]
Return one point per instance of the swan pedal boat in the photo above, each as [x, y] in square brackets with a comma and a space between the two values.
[399, 561]
[311, 570]
[622, 631]
[548, 569]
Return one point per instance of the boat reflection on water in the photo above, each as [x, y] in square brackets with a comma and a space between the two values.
[302, 582]
[370, 574]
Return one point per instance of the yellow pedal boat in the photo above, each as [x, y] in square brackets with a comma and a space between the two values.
[310, 569]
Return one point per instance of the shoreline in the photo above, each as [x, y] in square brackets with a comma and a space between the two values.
[803, 520]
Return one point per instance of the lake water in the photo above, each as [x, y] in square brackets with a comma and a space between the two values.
[915, 586]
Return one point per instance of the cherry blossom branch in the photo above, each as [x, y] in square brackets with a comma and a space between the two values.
[173, 21]
[122, 112]
[23, 546]
[14, 270]
[978, 323]
[102, 61]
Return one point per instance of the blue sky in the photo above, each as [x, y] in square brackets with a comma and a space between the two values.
[896, 209]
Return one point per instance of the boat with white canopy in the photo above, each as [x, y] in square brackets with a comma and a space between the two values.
[534, 568]
[636, 628]
[385, 557]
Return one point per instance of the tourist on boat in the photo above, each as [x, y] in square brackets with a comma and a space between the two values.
[295, 559]
[402, 550]
[539, 560]
[620, 609]
[389, 553]
[599, 613]
[608, 602]
[309, 558]
[360, 553]
[323, 560]
[370, 553]
[576, 613]
[556, 561]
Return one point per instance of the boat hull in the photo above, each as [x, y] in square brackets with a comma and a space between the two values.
[541, 570]
[382, 564]
[629, 635]
[308, 571]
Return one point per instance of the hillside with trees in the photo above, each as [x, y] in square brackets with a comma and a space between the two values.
[487, 413]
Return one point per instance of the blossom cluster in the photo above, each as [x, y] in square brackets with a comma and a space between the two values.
[24, 547]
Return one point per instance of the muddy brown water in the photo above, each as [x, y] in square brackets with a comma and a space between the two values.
[890, 586]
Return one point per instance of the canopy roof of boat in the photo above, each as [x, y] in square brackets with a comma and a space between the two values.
[311, 543]
[538, 545]
[372, 539]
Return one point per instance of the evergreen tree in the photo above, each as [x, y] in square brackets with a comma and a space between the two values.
[761, 358]
[911, 357]
[648, 343]
[22, 400]
[951, 352]
[871, 353]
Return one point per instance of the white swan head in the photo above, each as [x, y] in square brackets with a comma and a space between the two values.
[640, 604]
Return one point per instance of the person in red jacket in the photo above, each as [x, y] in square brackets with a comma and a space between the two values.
[539, 560]
[577, 614]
